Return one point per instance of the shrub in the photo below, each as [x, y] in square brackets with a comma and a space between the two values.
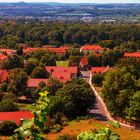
[97, 79]
[63, 137]
[66, 137]
[8, 105]
[57, 128]
[57, 119]
[101, 134]
[10, 96]
[83, 117]
[7, 128]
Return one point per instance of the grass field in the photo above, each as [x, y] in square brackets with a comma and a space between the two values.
[62, 63]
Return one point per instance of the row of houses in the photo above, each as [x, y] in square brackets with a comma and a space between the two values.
[61, 50]
[57, 50]
[63, 74]
[56, 72]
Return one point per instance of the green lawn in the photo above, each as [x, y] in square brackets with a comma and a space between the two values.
[62, 63]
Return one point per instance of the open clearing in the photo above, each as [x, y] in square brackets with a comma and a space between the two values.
[62, 63]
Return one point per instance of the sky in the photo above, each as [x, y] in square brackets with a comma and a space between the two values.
[77, 1]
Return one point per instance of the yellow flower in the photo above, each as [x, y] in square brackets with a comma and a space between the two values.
[45, 93]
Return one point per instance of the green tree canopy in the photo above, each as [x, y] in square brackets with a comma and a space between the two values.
[13, 61]
[40, 72]
[75, 98]
[17, 81]
[30, 65]
[119, 87]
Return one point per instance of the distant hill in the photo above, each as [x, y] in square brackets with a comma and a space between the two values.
[55, 10]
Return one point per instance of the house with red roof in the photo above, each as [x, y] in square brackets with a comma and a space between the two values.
[34, 82]
[63, 76]
[132, 55]
[62, 73]
[97, 70]
[3, 76]
[92, 48]
[57, 50]
[60, 50]
[7, 51]
[2, 56]
[17, 117]
[29, 50]
[84, 64]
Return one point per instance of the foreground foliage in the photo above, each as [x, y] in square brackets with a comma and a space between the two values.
[100, 134]
[31, 129]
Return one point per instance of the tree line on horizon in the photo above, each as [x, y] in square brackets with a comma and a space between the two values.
[77, 34]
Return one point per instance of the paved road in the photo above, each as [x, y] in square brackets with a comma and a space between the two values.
[98, 111]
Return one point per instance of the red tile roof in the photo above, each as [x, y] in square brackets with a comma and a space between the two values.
[2, 56]
[15, 116]
[133, 54]
[34, 82]
[60, 50]
[28, 50]
[99, 69]
[83, 61]
[7, 51]
[91, 48]
[62, 69]
[63, 77]
[62, 73]
[57, 50]
[3, 75]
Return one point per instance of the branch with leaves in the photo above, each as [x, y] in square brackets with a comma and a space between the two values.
[31, 128]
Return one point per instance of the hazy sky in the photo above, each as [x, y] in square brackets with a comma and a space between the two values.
[77, 1]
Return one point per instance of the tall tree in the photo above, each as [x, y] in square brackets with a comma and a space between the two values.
[40, 72]
[17, 81]
[13, 61]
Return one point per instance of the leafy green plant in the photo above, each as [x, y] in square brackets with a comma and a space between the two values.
[32, 128]
[66, 137]
[100, 134]
[114, 124]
